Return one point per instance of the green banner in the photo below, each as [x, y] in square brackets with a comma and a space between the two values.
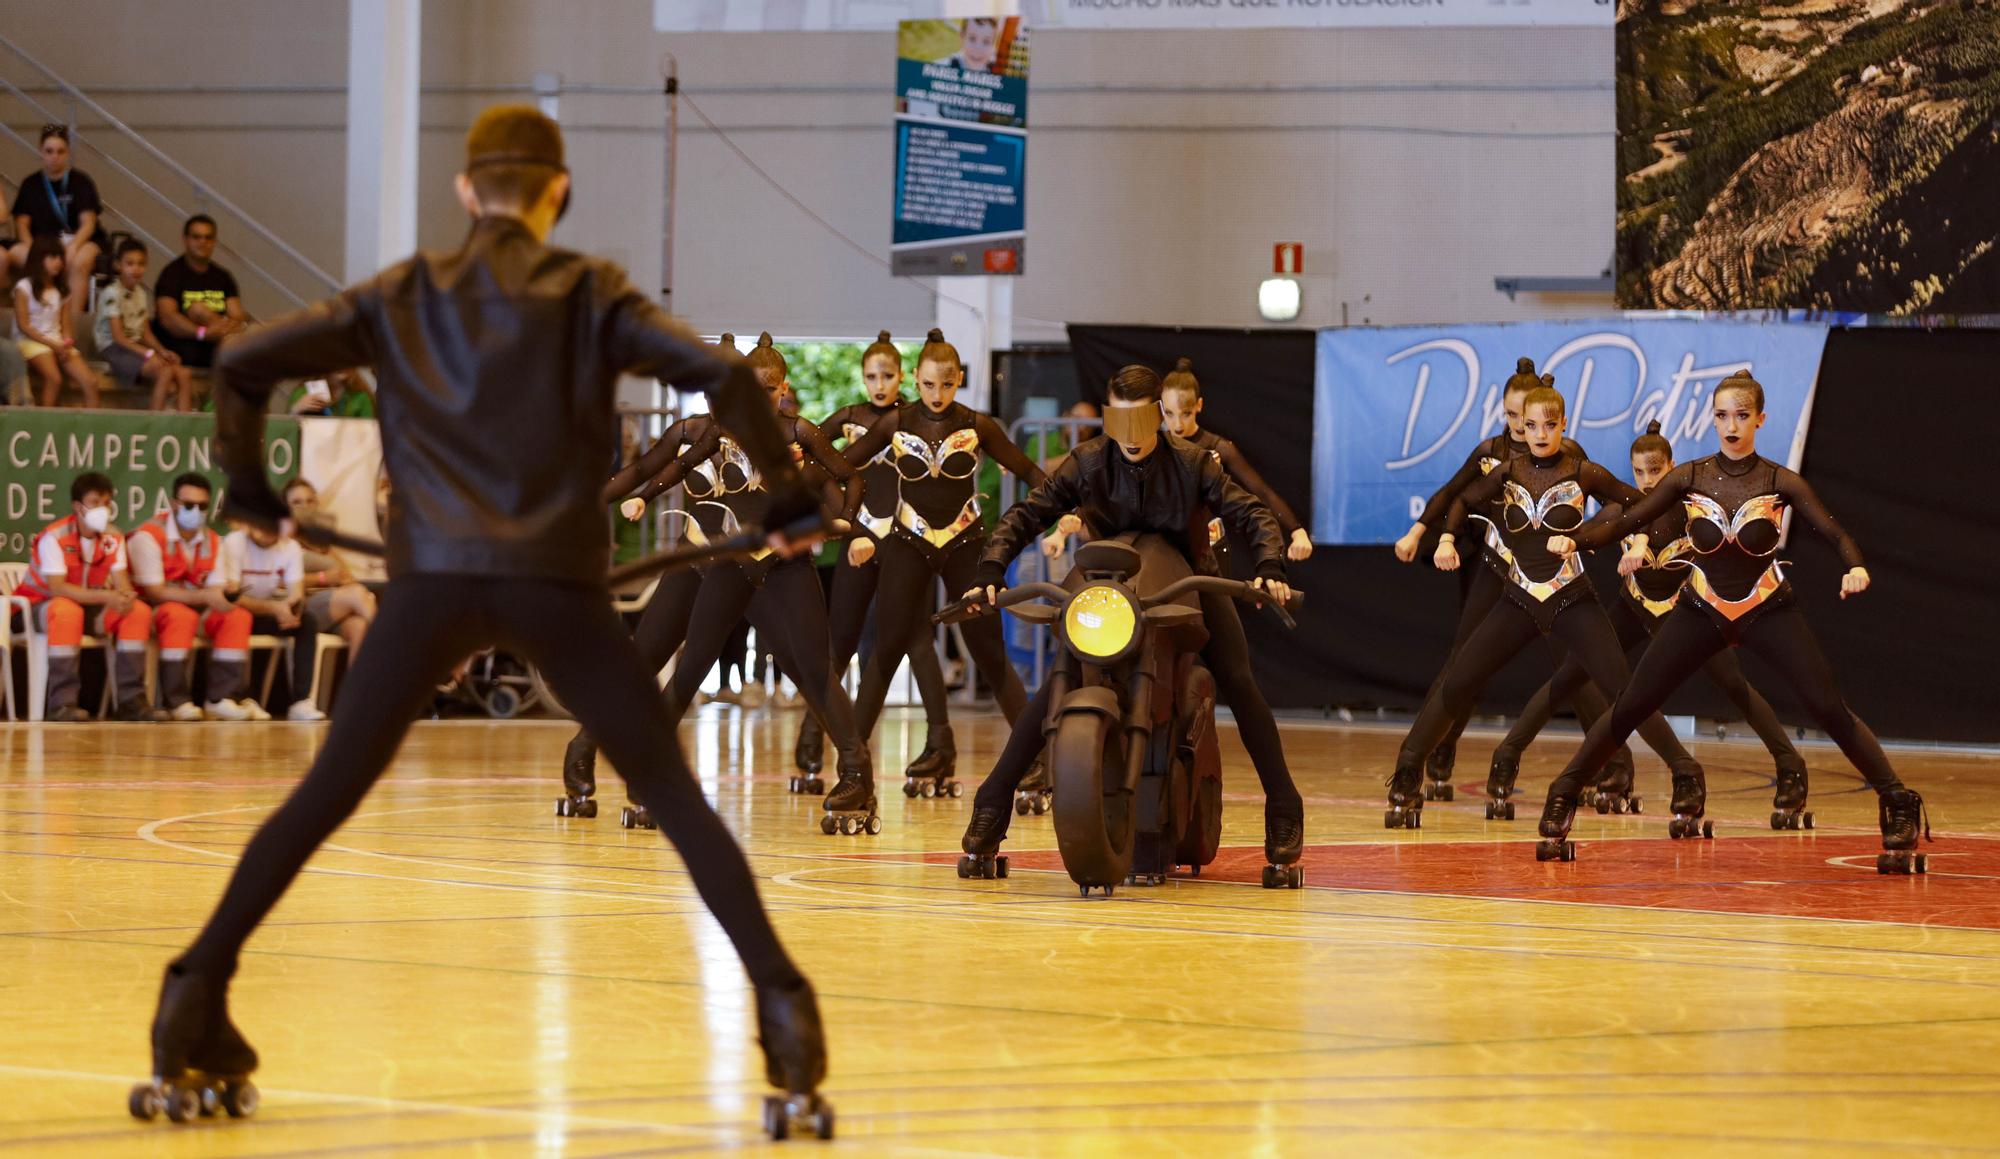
[42, 451]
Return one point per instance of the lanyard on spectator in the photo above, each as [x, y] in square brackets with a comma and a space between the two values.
[62, 215]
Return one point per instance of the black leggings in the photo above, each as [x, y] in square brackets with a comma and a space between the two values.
[1721, 669]
[663, 625]
[1228, 659]
[735, 656]
[903, 624]
[428, 623]
[1687, 638]
[847, 617]
[789, 609]
[304, 670]
[1508, 628]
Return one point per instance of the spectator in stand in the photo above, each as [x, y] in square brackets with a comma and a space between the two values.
[60, 203]
[343, 394]
[80, 582]
[334, 601]
[125, 333]
[197, 299]
[177, 565]
[13, 375]
[266, 576]
[42, 326]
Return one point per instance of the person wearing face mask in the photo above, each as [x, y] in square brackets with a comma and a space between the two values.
[177, 565]
[1139, 478]
[80, 582]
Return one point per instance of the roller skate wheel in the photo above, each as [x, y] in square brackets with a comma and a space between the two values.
[145, 1102]
[1638, 806]
[826, 824]
[964, 866]
[1777, 820]
[183, 1103]
[1707, 830]
[1414, 819]
[1807, 818]
[1445, 791]
[910, 789]
[955, 790]
[1000, 867]
[777, 1120]
[1041, 805]
[1922, 864]
[1020, 806]
[211, 1102]
[625, 818]
[1492, 810]
[587, 809]
[1569, 851]
[240, 1100]
[822, 1121]
[1507, 810]
[874, 825]
[1603, 805]
[562, 807]
[1084, 890]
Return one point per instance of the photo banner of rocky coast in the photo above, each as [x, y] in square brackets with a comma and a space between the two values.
[1838, 155]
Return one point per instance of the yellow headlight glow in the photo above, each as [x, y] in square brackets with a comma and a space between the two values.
[1099, 622]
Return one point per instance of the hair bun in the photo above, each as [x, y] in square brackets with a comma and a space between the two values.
[1524, 366]
[1742, 372]
[1549, 380]
[764, 339]
[1184, 366]
[727, 339]
[1653, 428]
[882, 337]
[936, 335]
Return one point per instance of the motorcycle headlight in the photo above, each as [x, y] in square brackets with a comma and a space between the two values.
[1100, 622]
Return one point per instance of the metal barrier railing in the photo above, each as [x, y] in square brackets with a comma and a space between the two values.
[1037, 436]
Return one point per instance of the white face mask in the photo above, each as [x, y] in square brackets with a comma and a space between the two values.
[96, 519]
[190, 518]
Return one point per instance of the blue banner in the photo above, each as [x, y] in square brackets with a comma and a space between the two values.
[1397, 411]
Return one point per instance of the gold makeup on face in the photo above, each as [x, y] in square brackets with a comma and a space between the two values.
[1130, 424]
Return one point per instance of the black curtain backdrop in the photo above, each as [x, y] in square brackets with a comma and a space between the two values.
[1916, 655]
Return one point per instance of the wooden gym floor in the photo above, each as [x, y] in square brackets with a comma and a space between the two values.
[463, 973]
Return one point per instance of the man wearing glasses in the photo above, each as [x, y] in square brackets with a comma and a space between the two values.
[176, 564]
[196, 301]
[59, 202]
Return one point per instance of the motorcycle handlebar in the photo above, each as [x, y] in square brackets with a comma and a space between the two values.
[1236, 589]
[960, 610]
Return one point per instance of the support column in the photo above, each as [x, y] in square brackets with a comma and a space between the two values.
[384, 48]
[977, 316]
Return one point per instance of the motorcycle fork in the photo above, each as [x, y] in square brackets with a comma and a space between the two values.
[1139, 715]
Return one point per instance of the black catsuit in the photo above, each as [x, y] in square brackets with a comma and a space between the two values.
[1644, 601]
[1482, 588]
[1736, 594]
[938, 534]
[1543, 595]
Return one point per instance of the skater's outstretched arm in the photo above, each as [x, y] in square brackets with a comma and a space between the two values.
[701, 452]
[1245, 476]
[1637, 516]
[1246, 515]
[1061, 491]
[861, 450]
[656, 459]
[994, 441]
[1439, 504]
[819, 450]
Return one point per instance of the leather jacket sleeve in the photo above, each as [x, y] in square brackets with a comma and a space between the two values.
[318, 340]
[1058, 492]
[1246, 515]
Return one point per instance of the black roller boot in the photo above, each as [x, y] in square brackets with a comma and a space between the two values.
[809, 757]
[579, 773]
[851, 806]
[1902, 813]
[201, 1062]
[1033, 794]
[930, 775]
[1690, 802]
[1406, 796]
[983, 835]
[1437, 783]
[1614, 786]
[1500, 784]
[1788, 804]
[794, 1042]
[1557, 815]
[1284, 839]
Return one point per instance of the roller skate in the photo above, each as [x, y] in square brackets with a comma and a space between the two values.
[1284, 837]
[789, 1030]
[930, 775]
[1406, 798]
[1033, 794]
[1500, 784]
[1788, 804]
[983, 835]
[201, 1063]
[1902, 812]
[1557, 816]
[636, 816]
[851, 806]
[579, 773]
[1614, 787]
[1437, 770]
[809, 756]
[1690, 802]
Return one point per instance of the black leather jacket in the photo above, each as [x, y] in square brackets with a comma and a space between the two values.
[496, 372]
[1173, 491]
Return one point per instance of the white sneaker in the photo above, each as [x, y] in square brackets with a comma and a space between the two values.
[188, 711]
[224, 710]
[252, 710]
[304, 710]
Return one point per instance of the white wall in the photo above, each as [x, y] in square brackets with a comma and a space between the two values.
[1152, 197]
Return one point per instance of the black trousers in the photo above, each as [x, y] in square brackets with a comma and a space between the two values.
[854, 590]
[303, 668]
[1228, 659]
[903, 624]
[663, 625]
[1507, 629]
[1688, 638]
[1634, 631]
[427, 624]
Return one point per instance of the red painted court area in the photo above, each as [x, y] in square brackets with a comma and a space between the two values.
[1821, 875]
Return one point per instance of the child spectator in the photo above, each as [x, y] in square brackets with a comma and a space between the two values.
[42, 326]
[264, 573]
[124, 333]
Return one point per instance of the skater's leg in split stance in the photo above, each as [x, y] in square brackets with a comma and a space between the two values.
[1228, 660]
[1506, 630]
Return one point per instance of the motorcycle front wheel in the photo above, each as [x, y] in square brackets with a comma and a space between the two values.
[1094, 817]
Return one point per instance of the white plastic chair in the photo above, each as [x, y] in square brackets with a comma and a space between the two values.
[37, 643]
[323, 643]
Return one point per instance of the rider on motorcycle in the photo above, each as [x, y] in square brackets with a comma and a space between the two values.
[1136, 477]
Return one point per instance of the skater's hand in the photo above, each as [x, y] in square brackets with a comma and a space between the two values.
[982, 597]
[1561, 545]
[1069, 524]
[1054, 542]
[632, 508]
[1301, 548]
[1406, 547]
[1854, 582]
[1279, 591]
[860, 550]
[1446, 557]
[1634, 557]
